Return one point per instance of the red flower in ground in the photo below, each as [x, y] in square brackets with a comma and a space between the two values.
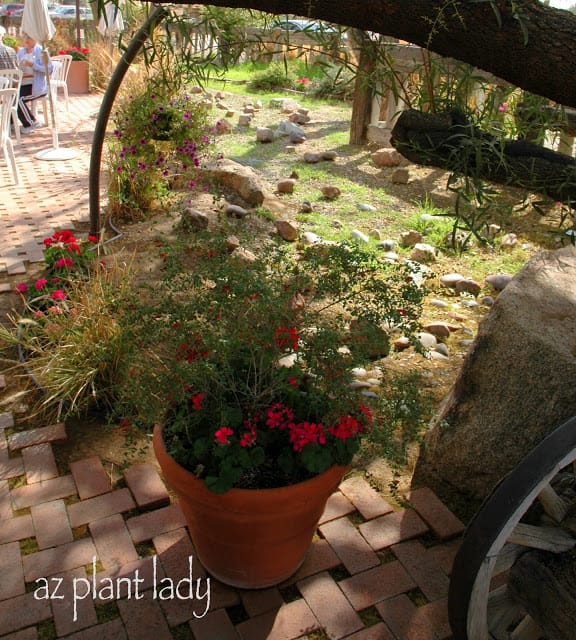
[223, 434]
[58, 295]
[40, 284]
[63, 263]
[21, 287]
[286, 338]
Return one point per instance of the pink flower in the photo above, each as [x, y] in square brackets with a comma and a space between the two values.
[503, 107]
[249, 437]
[63, 263]
[40, 284]
[21, 287]
[223, 434]
[58, 295]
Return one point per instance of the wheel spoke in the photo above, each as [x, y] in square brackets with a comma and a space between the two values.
[544, 538]
[527, 630]
[553, 504]
[503, 613]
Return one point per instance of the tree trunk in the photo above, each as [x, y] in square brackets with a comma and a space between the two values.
[524, 42]
[544, 584]
[449, 141]
[362, 105]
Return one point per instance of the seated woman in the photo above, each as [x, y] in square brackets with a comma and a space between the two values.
[34, 83]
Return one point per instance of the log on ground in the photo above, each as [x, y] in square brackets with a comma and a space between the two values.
[449, 141]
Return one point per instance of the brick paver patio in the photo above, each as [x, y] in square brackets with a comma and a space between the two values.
[84, 559]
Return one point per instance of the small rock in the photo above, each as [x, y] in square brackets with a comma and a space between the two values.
[193, 219]
[286, 185]
[465, 343]
[258, 104]
[441, 304]
[311, 238]
[451, 279]
[386, 245]
[469, 303]
[230, 114]
[222, 106]
[330, 192]
[410, 238]
[299, 118]
[359, 384]
[264, 134]
[436, 355]
[312, 158]
[423, 253]
[358, 236]
[245, 254]
[376, 234]
[427, 340]
[387, 158]
[468, 286]
[438, 329]
[458, 240]
[306, 207]
[442, 348]
[390, 256]
[235, 211]
[330, 156]
[289, 128]
[196, 90]
[287, 229]
[509, 241]
[337, 224]
[244, 120]
[498, 281]
[400, 176]
[359, 372]
[401, 343]
[224, 126]
[296, 138]
[363, 206]
[493, 230]
[487, 301]
[290, 149]
[232, 242]
[249, 109]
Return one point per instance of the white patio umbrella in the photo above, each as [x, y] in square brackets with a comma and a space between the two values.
[37, 24]
[111, 23]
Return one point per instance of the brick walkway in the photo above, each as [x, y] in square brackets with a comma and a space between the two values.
[376, 571]
[51, 195]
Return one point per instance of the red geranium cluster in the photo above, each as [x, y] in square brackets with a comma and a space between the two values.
[77, 53]
[300, 434]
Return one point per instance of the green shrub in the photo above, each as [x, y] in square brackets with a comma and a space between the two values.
[275, 77]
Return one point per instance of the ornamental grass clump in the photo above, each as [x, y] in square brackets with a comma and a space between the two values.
[69, 337]
[248, 361]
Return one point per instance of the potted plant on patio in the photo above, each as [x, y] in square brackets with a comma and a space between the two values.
[78, 80]
[246, 365]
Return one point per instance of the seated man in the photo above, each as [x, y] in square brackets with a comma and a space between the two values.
[8, 58]
[34, 83]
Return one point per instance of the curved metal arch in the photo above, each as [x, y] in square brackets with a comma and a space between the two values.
[132, 50]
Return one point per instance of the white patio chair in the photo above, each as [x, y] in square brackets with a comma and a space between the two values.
[8, 99]
[14, 79]
[59, 77]
[44, 100]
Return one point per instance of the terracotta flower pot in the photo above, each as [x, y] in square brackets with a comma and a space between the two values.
[249, 538]
[79, 77]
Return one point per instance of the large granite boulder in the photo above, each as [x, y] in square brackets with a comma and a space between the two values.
[517, 383]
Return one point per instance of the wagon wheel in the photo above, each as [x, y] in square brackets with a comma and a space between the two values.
[480, 606]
